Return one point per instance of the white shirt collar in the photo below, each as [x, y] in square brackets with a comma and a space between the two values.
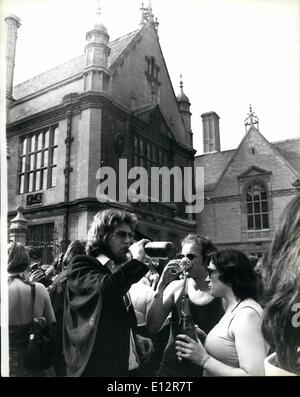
[106, 261]
[103, 259]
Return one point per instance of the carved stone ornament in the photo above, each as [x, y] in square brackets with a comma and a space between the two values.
[119, 144]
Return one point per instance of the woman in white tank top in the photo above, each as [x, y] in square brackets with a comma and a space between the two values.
[235, 346]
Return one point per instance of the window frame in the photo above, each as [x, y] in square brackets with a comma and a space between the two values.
[261, 213]
[156, 156]
[31, 166]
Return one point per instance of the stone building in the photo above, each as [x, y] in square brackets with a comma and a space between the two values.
[115, 101]
[246, 188]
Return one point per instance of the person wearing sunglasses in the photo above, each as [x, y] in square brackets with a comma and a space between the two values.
[235, 346]
[99, 320]
[205, 309]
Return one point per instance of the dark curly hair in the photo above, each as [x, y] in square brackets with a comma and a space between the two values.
[236, 270]
[34, 253]
[103, 226]
[281, 280]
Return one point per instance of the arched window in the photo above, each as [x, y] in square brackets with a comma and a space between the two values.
[257, 207]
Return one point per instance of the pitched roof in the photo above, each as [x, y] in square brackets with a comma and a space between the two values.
[216, 162]
[69, 69]
[290, 150]
[119, 45]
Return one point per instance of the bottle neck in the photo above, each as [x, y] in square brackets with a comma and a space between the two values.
[185, 305]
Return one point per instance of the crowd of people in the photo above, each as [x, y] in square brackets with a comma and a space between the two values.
[112, 313]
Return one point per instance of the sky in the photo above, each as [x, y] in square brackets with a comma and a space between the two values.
[231, 53]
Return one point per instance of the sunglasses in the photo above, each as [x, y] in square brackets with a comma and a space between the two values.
[189, 256]
[123, 235]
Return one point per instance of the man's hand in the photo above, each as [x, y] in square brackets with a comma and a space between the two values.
[145, 347]
[170, 273]
[137, 250]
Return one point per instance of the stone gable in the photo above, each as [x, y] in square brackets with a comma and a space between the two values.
[255, 149]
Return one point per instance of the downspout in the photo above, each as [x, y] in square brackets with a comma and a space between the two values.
[69, 101]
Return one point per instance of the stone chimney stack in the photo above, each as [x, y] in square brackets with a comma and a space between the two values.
[211, 132]
[12, 23]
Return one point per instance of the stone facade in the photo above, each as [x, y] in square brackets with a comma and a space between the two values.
[228, 177]
[96, 114]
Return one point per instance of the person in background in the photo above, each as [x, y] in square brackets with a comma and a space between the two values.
[141, 294]
[205, 309]
[36, 273]
[55, 269]
[235, 346]
[281, 281]
[253, 260]
[99, 320]
[57, 296]
[20, 309]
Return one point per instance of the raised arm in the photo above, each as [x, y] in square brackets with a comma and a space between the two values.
[163, 300]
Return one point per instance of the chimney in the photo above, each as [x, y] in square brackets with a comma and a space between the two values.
[211, 133]
[12, 23]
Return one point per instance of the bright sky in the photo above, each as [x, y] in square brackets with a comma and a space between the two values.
[231, 53]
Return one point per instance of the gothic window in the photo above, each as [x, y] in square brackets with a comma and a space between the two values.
[148, 154]
[152, 70]
[38, 160]
[157, 69]
[257, 207]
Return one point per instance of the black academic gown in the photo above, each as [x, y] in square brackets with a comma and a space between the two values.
[96, 321]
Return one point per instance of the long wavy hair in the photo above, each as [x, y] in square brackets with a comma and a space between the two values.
[236, 270]
[103, 226]
[281, 281]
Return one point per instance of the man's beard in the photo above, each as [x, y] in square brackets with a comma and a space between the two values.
[118, 259]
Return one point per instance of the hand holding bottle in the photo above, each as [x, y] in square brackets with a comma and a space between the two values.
[137, 250]
[191, 350]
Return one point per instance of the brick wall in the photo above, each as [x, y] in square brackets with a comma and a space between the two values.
[221, 219]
